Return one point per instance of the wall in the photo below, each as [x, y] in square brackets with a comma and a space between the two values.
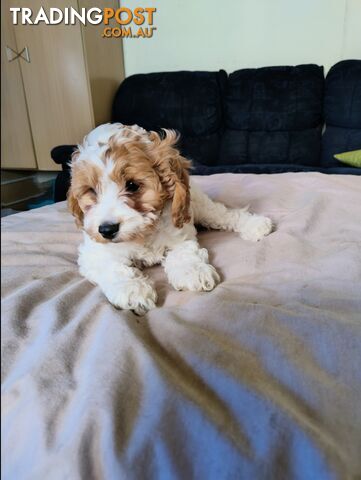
[233, 34]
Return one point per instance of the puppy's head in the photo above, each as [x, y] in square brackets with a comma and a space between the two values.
[119, 188]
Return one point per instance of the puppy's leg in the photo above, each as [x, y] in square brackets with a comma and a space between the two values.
[187, 267]
[124, 285]
[217, 216]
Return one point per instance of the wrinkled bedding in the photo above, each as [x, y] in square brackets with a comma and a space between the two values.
[258, 379]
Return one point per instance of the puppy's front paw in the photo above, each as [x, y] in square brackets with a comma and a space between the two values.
[256, 228]
[197, 278]
[134, 294]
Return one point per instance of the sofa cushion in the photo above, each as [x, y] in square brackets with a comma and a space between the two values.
[342, 110]
[262, 147]
[273, 115]
[189, 102]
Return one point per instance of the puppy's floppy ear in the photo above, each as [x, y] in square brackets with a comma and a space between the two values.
[74, 208]
[172, 169]
[73, 203]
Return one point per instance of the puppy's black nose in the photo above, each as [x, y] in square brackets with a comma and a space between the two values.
[108, 230]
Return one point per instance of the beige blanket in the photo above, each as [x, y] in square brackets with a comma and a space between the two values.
[259, 379]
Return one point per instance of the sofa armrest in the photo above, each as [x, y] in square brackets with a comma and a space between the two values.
[62, 155]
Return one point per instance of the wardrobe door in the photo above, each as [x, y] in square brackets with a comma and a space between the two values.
[55, 82]
[17, 149]
[104, 58]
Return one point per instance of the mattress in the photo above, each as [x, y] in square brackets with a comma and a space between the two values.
[258, 379]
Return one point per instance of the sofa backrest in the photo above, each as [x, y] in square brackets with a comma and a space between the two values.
[342, 111]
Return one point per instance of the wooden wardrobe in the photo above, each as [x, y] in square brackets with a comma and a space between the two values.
[58, 89]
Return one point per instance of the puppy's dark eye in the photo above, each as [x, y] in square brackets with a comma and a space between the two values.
[92, 191]
[131, 186]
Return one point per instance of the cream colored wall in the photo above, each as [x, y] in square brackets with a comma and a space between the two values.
[233, 34]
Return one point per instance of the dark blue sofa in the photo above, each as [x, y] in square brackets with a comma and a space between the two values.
[264, 120]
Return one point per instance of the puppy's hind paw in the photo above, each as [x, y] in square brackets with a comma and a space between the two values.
[256, 228]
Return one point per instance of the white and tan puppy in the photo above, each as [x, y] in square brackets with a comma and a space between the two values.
[130, 193]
